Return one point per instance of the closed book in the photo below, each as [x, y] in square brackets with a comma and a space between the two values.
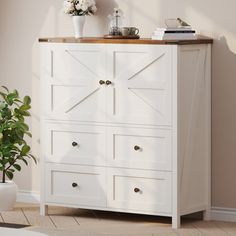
[175, 28]
[179, 31]
[174, 36]
[159, 32]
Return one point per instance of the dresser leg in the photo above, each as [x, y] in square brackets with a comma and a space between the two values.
[176, 222]
[207, 215]
[43, 209]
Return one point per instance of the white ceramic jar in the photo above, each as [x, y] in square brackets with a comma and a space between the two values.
[7, 195]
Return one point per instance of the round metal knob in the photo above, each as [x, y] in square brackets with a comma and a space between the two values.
[136, 190]
[102, 82]
[74, 144]
[74, 185]
[136, 148]
[108, 82]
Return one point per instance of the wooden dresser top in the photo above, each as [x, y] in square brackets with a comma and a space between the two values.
[200, 40]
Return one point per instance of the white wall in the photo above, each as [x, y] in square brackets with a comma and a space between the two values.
[22, 22]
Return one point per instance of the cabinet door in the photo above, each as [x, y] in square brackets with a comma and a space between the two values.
[70, 82]
[140, 92]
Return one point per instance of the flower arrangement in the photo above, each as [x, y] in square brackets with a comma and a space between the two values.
[79, 7]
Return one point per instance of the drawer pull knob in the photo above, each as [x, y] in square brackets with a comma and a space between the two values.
[74, 185]
[108, 82]
[136, 190]
[74, 144]
[101, 82]
[136, 148]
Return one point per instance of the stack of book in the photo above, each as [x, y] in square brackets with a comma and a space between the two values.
[184, 32]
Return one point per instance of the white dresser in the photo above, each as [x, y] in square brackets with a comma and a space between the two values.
[126, 126]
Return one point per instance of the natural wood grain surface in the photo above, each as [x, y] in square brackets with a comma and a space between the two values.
[200, 40]
[77, 222]
[32, 214]
[15, 217]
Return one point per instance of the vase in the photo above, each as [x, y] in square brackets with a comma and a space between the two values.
[78, 22]
[7, 195]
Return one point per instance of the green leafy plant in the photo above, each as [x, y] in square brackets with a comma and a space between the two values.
[14, 149]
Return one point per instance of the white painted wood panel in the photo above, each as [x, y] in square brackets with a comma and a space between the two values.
[148, 128]
[194, 127]
[75, 144]
[71, 75]
[91, 181]
[154, 190]
[139, 148]
[141, 77]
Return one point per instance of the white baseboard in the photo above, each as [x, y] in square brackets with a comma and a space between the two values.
[217, 213]
[28, 197]
[223, 214]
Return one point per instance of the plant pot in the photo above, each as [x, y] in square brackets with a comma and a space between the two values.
[7, 195]
[78, 22]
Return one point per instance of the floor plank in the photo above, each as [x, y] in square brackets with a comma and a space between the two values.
[165, 234]
[72, 222]
[86, 217]
[63, 217]
[228, 227]
[32, 214]
[63, 222]
[15, 217]
[209, 228]
[188, 228]
[1, 219]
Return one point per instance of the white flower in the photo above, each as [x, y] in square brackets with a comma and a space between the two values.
[79, 7]
[68, 7]
[94, 8]
[90, 3]
[84, 7]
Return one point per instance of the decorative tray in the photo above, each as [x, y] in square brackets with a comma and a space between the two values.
[107, 36]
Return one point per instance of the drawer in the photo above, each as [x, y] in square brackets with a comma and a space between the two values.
[80, 185]
[74, 144]
[148, 191]
[140, 148]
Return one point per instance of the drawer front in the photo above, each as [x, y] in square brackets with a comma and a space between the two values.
[139, 148]
[80, 185]
[70, 82]
[140, 190]
[74, 144]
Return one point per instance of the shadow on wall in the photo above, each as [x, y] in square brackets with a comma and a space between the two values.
[102, 13]
[211, 12]
[215, 18]
[223, 124]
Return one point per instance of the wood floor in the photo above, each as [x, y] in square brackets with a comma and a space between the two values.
[76, 222]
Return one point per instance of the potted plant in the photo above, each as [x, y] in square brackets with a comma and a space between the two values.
[14, 149]
[79, 9]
